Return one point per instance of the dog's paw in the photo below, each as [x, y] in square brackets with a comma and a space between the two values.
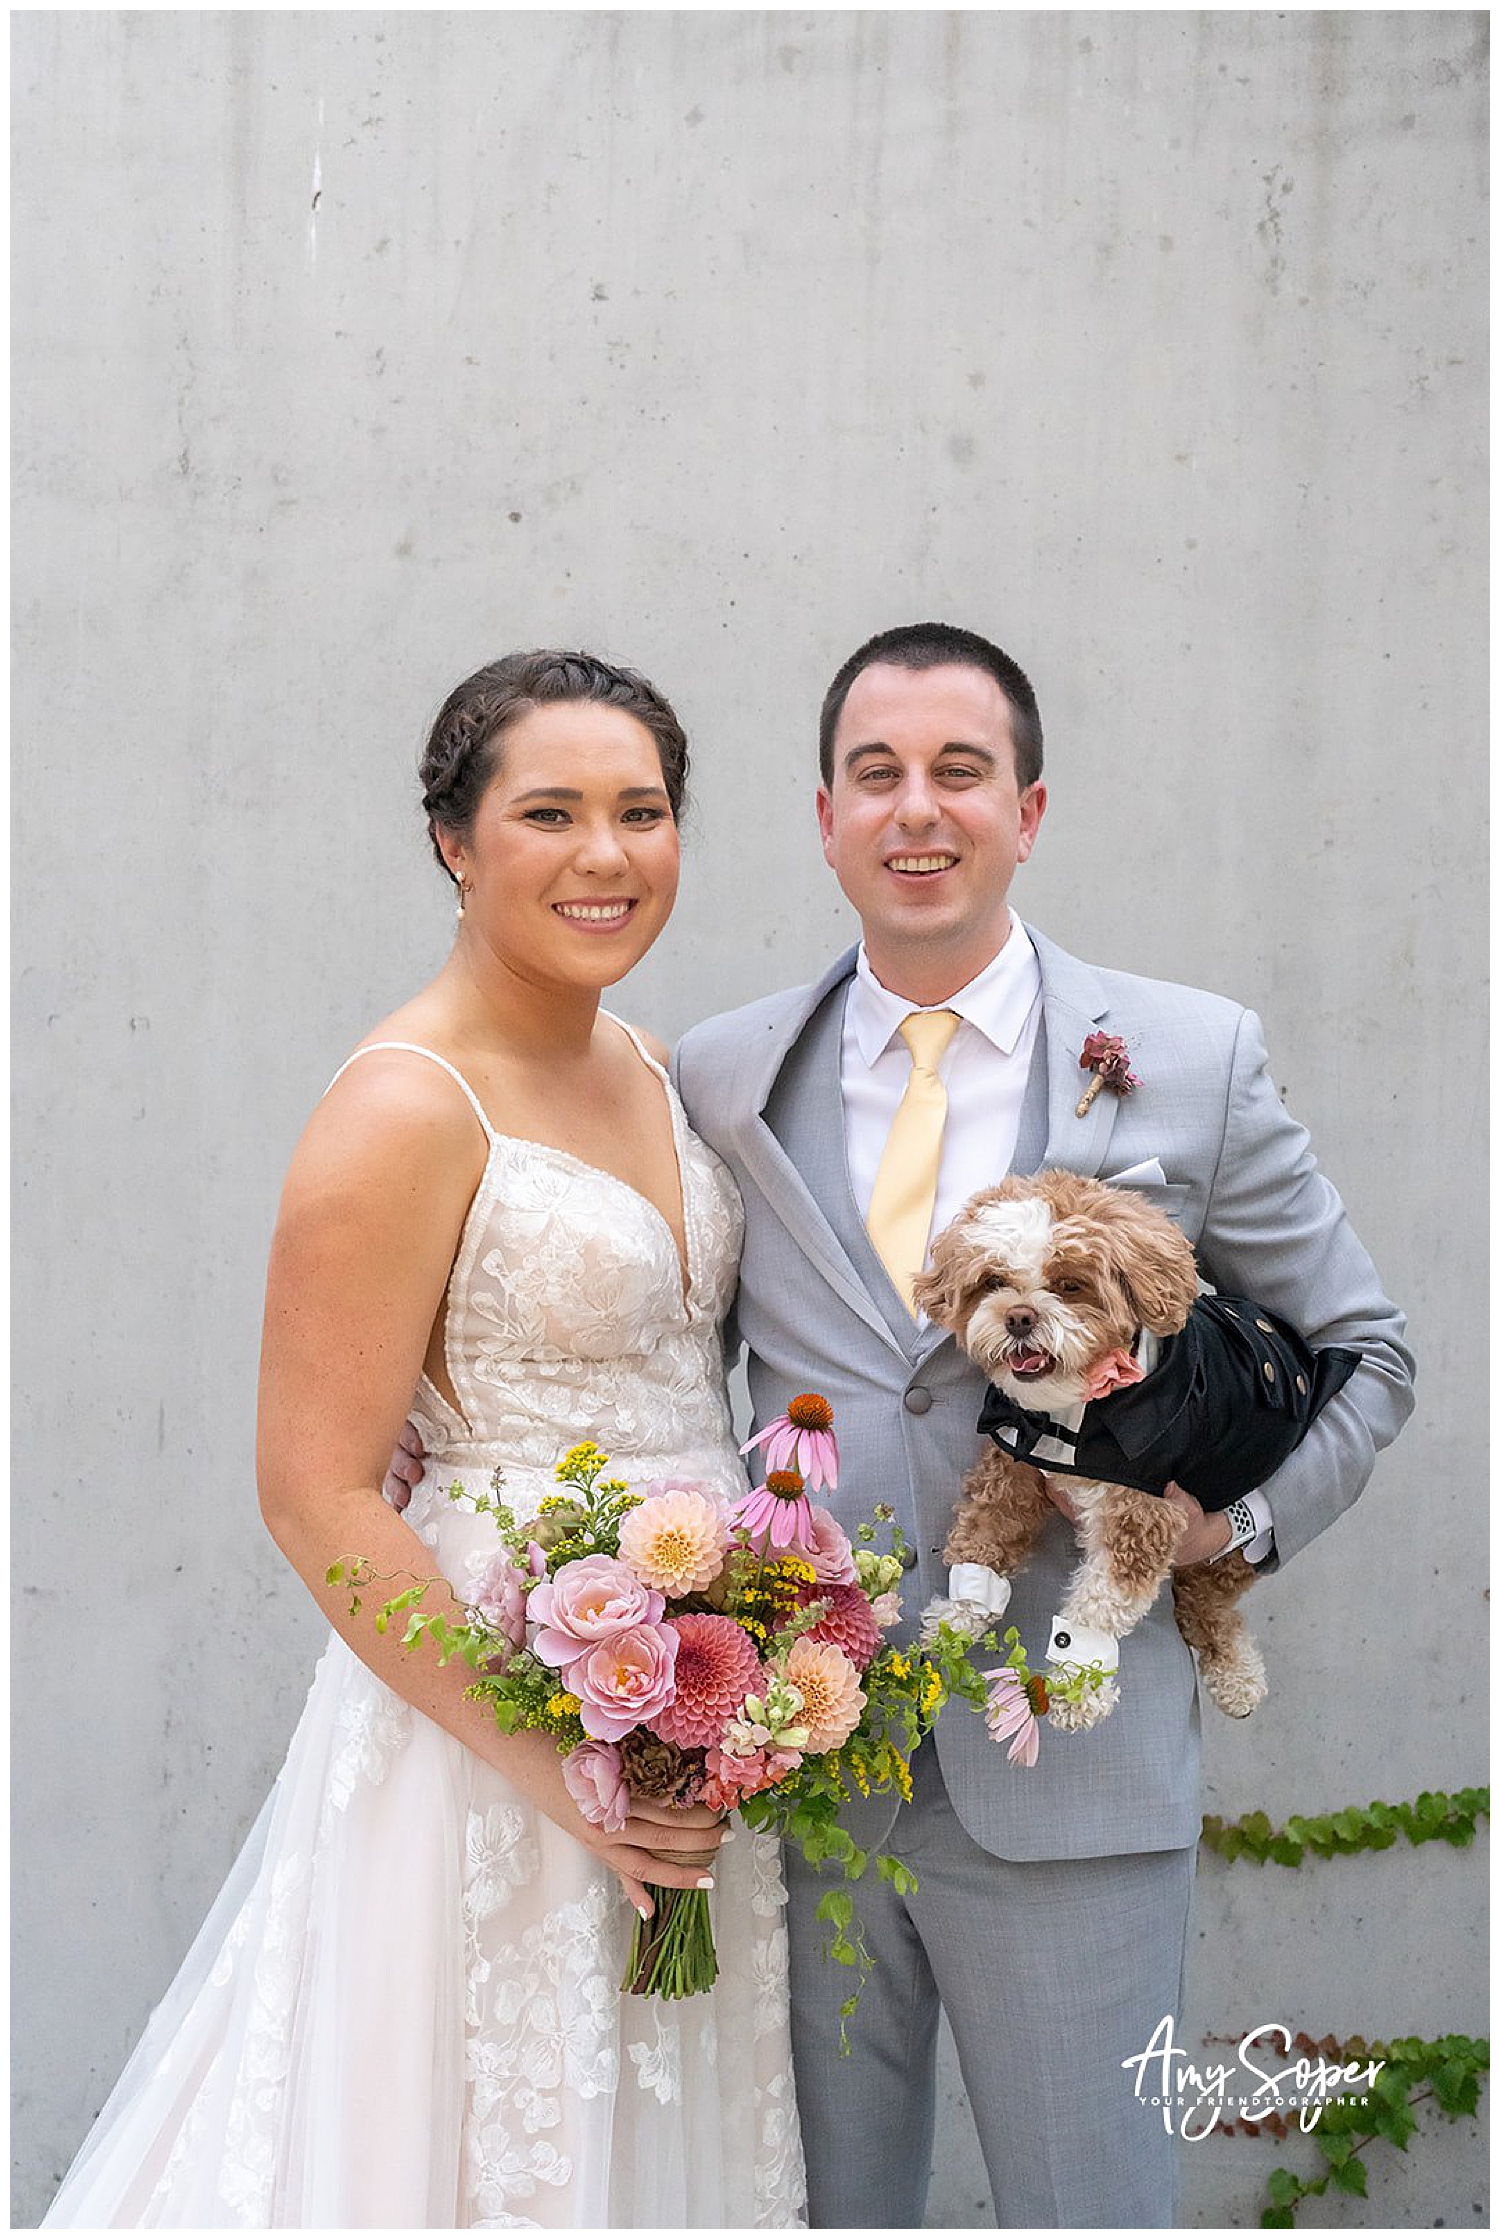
[1077, 1717]
[967, 1619]
[1238, 1686]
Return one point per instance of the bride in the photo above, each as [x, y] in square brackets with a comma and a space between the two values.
[403, 2008]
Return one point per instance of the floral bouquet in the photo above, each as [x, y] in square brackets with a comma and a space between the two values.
[684, 1648]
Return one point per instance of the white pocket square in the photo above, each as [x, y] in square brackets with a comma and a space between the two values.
[1137, 1177]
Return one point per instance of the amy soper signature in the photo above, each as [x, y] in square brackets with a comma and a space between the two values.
[1194, 2100]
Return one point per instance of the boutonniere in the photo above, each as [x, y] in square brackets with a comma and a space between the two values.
[1107, 1058]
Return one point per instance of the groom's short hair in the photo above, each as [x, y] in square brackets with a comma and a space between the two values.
[934, 645]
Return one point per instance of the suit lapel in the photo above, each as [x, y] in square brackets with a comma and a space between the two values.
[793, 1149]
[1074, 1000]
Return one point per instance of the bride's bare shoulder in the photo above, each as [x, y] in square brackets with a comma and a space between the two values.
[394, 1103]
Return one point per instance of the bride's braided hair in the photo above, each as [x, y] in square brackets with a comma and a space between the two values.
[463, 746]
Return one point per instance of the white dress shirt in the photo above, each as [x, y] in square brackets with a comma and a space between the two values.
[985, 1069]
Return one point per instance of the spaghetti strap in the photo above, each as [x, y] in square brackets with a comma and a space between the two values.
[416, 1050]
[655, 1063]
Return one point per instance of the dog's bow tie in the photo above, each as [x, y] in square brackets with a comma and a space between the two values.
[1025, 1430]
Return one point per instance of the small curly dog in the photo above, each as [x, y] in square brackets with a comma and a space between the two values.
[1058, 1286]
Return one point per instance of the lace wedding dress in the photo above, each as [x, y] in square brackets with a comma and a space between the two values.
[403, 2009]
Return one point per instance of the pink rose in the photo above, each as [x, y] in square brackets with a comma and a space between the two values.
[625, 1681]
[588, 1602]
[497, 1594]
[886, 1609]
[593, 1778]
[831, 1556]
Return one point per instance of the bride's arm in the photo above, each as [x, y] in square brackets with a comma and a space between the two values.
[369, 1223]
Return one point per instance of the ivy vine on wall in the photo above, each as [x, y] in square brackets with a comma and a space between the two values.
[1434, 1817]
[1445, 2071]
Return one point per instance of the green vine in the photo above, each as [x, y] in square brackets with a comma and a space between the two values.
[1446, 2070]
[1412, 2070]
[1433, 1817]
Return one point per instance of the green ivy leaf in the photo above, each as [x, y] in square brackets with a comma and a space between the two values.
[1283, 2187]
[1352, 2176]
[1393, 2122]
[1457, 2088]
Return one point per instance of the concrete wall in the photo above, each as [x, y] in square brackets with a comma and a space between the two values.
[353, 349]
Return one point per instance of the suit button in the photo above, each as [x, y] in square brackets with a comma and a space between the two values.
[908, 1558]
[918, 1400]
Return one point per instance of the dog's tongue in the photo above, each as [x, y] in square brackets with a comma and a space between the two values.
[1028, 1364]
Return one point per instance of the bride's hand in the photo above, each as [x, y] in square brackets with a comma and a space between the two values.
[672, 1846]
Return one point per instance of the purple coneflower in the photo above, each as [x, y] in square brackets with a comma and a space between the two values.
[1012, 1711]
[802, 1439]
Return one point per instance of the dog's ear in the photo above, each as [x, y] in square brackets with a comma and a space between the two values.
[939, 1289]
[1153, 1262]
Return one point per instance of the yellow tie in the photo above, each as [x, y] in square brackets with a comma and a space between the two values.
[900, 1215]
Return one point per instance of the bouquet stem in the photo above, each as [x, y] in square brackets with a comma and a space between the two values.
[672, 1954]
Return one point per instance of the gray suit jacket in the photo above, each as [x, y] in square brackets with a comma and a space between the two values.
[817, 1312]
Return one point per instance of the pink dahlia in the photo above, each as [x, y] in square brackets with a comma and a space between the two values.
[832, 1697]
[802, 1439]
[717, 1667]
[848, 1621]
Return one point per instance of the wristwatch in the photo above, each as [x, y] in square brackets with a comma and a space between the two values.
[1242, 1528]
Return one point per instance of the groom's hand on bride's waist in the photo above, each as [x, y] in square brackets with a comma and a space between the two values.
[407, 1463]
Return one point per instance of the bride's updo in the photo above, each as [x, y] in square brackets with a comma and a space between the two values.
[463, 746]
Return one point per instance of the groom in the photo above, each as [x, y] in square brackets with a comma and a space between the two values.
[1050, 1916]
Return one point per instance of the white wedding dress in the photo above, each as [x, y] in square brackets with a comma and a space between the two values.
[403, 2008]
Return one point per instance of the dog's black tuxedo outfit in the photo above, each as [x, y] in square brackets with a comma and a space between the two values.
[1230, 1397]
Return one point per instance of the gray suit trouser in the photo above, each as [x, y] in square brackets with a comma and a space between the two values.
[1051, 1972]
